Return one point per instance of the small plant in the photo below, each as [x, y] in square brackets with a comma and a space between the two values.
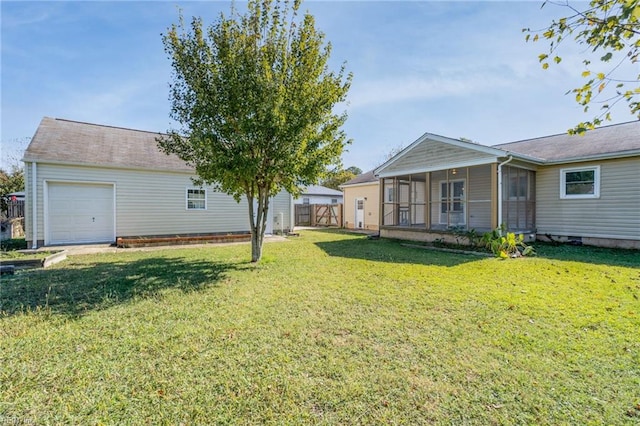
[461, 233]
[505, 246]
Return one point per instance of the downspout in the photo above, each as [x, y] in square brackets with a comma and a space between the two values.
[508, 160]
[34, 206]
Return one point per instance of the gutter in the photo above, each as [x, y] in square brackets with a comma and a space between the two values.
[508, 160]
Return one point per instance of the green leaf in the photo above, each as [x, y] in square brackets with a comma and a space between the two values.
[606, 57]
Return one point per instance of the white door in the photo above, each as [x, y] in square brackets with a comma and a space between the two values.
[359, 213]
[80, 213]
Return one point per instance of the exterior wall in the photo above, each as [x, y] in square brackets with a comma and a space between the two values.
[614, 215]
[479, 198]
[320, 199]
[152, 202]
[28, 201]
[371, 205]
[281, 208]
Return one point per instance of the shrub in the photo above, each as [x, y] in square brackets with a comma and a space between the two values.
[505, 246]
[13, 244]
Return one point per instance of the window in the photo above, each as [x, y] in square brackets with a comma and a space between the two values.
[390, 195]
[196, 199]
[305, 200]
[580, 182]
[519, 187]
[334, 201]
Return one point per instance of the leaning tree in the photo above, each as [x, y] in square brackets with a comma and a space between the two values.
[254, 98]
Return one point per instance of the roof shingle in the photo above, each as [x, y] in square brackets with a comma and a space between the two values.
[617, 139]
[73, 142]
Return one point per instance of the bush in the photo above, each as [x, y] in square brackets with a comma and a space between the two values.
[13, 244]
[505, 246]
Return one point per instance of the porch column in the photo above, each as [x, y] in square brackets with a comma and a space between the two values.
[466, 200]
[494, 196]
[381, 203]
[427, 200]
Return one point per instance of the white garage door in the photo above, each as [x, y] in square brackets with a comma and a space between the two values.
[80, 213]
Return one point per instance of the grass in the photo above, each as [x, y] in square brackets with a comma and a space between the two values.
[330, 328]
[15, 255]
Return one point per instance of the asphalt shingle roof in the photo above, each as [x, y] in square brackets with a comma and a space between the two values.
[365, 177]
[73, 142]
[616, 139]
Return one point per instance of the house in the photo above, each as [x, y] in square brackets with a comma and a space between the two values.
[89, 183]
[362, 202]
[584, 189]
[317, 194]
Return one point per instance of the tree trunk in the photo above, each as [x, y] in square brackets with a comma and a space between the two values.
[258, 223]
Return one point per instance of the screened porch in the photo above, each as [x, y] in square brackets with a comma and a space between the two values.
[460, 199]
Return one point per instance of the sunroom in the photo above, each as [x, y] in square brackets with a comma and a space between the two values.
[439, 188]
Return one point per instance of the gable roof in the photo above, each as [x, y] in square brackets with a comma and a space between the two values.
[617, 140]
[362, 178]
[76, 143]
[432, 152]
[320, 190]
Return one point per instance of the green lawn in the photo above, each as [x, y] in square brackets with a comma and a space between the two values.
[330, 328]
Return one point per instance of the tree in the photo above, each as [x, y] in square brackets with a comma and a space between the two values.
[254, 97]
[610, 28]
[10, 181]
[337, 177]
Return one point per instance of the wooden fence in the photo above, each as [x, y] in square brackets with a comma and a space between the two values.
[318, 214]
[14, 209]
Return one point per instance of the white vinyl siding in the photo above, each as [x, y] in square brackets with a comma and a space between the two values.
[614, 215]
[319, 199]
[153, 203]
[280, 207]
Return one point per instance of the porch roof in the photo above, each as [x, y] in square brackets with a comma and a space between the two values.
[433, 152]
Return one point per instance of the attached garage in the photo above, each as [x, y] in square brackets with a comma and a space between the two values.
[79, 213]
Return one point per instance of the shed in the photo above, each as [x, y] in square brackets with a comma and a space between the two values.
[91, 183]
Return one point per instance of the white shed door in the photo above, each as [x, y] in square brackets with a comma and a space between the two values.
[80, 213]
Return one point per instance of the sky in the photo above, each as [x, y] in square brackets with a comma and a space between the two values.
[454, 68]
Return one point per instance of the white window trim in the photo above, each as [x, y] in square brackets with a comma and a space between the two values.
[596, 183]
[186, 198]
